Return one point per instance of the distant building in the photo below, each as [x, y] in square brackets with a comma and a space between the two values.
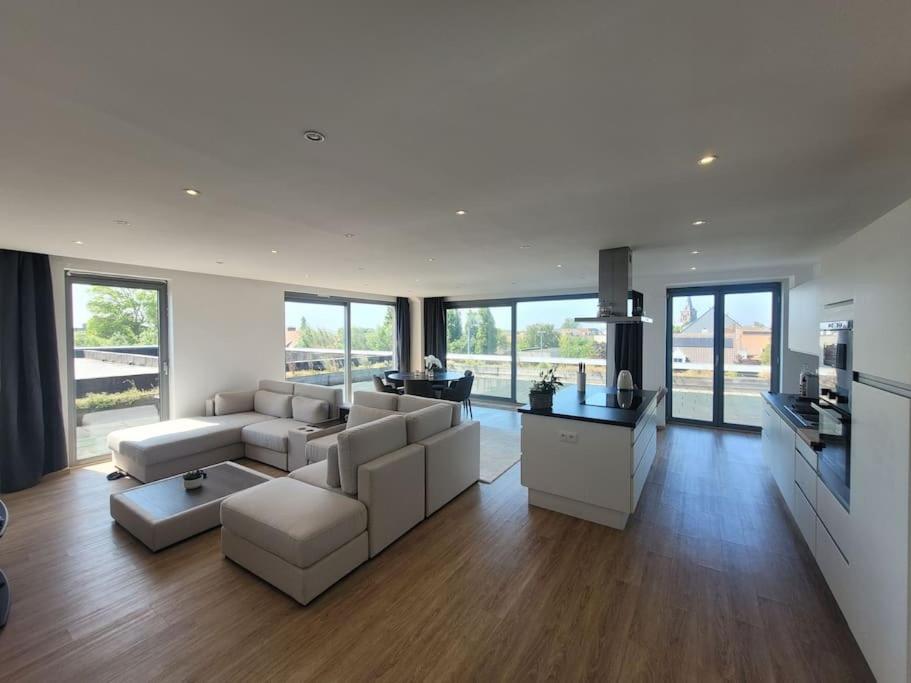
[292, 334]
[742, 344]
[688, 314]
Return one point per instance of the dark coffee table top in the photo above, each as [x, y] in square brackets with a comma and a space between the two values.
[167, 497]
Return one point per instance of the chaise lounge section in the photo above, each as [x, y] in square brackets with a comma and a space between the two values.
[270, 424]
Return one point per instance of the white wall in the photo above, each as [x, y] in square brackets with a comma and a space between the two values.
[873, 267]
[226, 333]
[654, 341]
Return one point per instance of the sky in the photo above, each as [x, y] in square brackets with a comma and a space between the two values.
[744, 308]
[332, 317]
[553, 312]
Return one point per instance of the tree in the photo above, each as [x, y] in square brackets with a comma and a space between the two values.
[453, 325]
[765, 356]
[569, 324]
[310, 338]
[576, 347]
[539, 336]
[120, 316]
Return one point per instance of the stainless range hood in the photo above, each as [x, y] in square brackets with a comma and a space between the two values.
[615, 289]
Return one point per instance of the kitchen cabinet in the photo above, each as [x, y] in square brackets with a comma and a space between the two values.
[803, 318]
[778, 453]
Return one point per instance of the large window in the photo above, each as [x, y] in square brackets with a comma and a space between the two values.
[722, 353]
[479, 338]
[548, 335]
[117, 358]
[506, 343]
[338, 342]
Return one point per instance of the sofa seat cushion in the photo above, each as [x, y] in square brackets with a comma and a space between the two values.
[309, 410]
[297, 522]
[315, 475]
[160, 442]
[408, 404]
[271, 434]
[321, 449]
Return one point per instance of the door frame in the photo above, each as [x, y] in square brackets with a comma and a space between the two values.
[73, 277]
[719, 292]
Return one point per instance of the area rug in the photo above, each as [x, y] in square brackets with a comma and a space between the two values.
[499, 451]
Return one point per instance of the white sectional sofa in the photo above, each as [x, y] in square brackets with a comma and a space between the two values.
[389, 473]
[263, 424]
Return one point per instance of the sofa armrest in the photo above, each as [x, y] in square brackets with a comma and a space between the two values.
[210, 407]
[392, 488]
[453, 463]
[297, 444]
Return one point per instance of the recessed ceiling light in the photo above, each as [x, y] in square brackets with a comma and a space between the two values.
[708, 159]
[360, 267]
[461, 212]
[430, 260]
[314, 136]
[192, 191]
[559, 265]
[219, 261]
[694, 252]
[349, 235]
[692, 267]
[121, 221]
[275, 251]
[525, 246]
[78, 242]
[700, 221]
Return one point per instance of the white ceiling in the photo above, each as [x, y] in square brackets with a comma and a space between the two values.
[569, 126]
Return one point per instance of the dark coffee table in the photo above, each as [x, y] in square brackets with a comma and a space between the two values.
[163, 513]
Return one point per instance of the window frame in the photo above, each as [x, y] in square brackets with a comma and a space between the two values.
[345, 304]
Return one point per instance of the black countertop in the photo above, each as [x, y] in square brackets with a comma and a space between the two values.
[778, 402]
[599, 405]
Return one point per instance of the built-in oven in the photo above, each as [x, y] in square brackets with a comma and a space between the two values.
[834, 407]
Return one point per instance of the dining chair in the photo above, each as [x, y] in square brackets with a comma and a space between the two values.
[419, 387]
[461, 392]
[382, 387]
[397, 383]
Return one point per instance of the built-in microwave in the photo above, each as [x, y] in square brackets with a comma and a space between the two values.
[835, 362]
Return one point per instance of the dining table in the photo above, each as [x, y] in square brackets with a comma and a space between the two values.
[436, 377]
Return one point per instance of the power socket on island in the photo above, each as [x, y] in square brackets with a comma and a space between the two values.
[569, 437]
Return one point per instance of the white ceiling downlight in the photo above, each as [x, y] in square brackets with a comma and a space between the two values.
[708, 159]
[192, 191]
[314, 136]
[699, 221]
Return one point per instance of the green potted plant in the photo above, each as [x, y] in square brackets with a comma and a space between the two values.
[541, 392]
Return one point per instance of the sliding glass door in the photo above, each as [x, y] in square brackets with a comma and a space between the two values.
[722, 353]
[338, 342]
[117, 358]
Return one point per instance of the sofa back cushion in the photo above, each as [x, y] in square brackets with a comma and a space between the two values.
[376, 399]
[359, 415]
[228, 402]
[276, 386]
[309, 410]
[359, 445]
[271, 403]
[424, 423]
[331, 395]
[408, 404]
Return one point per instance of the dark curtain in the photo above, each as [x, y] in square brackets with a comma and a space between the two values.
[403, 333]
[435, 328]
[32, 437]
[628, 351]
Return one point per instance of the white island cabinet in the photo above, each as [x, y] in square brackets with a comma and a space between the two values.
[589, 457]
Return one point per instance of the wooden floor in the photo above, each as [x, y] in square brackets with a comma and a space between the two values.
[709, 582]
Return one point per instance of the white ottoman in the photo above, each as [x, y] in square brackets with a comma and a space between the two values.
[300, 538]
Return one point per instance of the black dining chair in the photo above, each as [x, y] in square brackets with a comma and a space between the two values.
[397, 383]
[381, 386]
[460, 391]
[419, 387]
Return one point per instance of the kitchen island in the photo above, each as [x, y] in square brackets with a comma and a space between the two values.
[589, 456]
